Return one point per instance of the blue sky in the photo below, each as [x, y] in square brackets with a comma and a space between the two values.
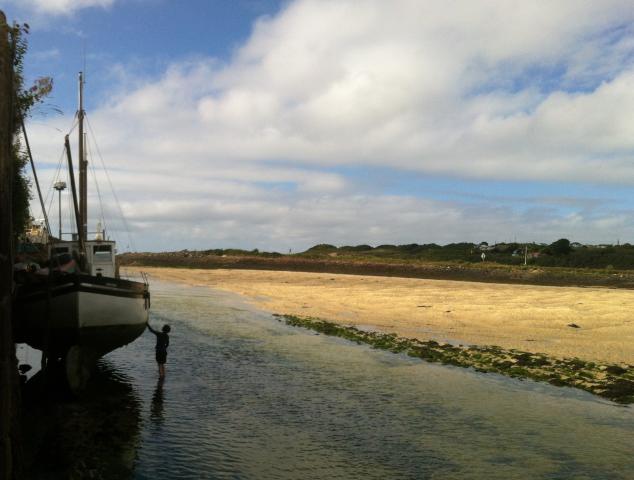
[100, 37]
[282, 124]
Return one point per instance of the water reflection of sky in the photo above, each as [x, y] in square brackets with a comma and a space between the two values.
[249, 397]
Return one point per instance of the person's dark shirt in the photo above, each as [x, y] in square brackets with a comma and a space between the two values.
[162, 340]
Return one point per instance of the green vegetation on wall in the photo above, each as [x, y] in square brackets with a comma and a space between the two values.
[25, 100]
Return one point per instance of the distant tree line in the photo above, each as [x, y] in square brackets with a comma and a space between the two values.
[561, 253]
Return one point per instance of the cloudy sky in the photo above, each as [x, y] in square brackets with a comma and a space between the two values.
[283, 124]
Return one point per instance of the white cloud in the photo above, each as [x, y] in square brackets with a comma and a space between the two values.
[273, 223]
[492, 90]
[61, 7]
[399, 87]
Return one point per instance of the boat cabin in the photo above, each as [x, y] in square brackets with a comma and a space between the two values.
[100, 255]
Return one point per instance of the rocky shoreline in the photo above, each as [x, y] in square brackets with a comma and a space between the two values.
[611, 381]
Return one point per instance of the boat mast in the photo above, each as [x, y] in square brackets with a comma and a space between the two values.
[83, 166]
[71, 174]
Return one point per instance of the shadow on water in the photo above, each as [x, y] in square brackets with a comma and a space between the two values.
[93, 435]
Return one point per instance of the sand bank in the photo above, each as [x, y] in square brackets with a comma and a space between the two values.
[526, 317]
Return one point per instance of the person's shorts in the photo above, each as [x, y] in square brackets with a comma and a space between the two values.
[161, 356]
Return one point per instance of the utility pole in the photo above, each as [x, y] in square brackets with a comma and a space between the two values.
[525, 254]
[59, 186]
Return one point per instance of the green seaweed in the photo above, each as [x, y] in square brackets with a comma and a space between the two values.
[614, 382]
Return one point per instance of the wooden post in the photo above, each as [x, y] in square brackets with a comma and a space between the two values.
[9, 382]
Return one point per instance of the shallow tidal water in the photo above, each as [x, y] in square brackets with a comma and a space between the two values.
[247, 397]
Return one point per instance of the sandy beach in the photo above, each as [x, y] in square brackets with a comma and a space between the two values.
[526, 317]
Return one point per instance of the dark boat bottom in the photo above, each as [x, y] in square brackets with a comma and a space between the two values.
[106, 339]
[99, 340]
[77, 353]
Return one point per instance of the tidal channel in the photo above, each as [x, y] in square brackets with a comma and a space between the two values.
[248, 397]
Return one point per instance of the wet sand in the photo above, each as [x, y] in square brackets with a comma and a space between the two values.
[526, 317]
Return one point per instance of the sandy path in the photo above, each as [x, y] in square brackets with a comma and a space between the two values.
[526, 317]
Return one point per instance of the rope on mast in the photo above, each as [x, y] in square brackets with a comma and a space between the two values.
[94, 177]
[114, 193]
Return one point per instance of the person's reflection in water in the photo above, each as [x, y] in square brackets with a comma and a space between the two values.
[156, 412]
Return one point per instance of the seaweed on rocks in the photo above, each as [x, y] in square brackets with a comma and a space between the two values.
[614, 382]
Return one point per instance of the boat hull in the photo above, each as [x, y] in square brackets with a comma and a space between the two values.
[97, 314]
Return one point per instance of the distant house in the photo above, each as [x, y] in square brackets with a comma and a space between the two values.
[36, 232]
[576, 245]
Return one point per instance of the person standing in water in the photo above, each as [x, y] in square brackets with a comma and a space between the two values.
[162, 342]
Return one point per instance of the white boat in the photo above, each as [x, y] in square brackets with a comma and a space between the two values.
[79, 309]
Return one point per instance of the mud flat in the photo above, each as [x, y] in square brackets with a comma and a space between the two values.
[593, 324]
[566, 336]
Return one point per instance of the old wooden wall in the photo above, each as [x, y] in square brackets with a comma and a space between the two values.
[9, 388]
